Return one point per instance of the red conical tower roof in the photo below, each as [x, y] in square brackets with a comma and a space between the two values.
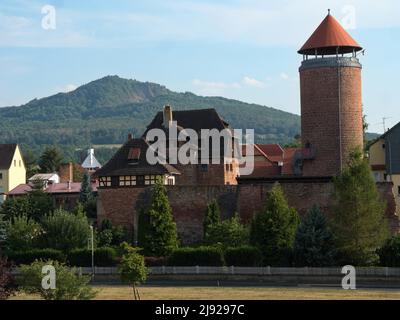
[330, 38]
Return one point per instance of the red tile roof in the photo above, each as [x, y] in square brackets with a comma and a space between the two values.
[329, 36]
[53, 188]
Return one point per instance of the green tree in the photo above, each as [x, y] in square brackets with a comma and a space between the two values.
[212, 216]
[389, 254]
[273, 229]
[132, 268]
[230, 233]
[157, 229]
[69, 285]
[358, 221]
[50, 160]
[40, 204]
[314, 244]
[3, 225]
[65, 231]
[22, 233]
[86, 192]
[7, 287]
[30, 163]
[15, 207]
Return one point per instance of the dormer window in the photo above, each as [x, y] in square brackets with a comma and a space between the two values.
[134, 155]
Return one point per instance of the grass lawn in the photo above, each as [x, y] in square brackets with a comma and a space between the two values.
[207, 293]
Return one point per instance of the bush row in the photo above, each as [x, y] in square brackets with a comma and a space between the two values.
[103, 257]
[244, 256]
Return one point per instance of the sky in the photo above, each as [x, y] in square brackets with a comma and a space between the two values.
[245, 50]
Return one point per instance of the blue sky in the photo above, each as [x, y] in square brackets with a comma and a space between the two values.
[239, 49]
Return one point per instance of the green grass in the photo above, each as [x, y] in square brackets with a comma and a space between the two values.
[229, 293]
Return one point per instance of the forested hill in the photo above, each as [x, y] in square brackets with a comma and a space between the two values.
[104, 111]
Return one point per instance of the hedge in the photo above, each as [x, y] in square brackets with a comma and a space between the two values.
[201, 256]
[389, 254]
[29, 256]
[103, 257]
[154, 261]
[245, 256]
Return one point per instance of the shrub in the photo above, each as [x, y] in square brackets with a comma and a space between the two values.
[389, 254]
[245, 256]
[69, 285]
[29, 256]
[104, 238]
[22, 233]
[7, 287]
[65, 231]
[103, 257]
[230, 233]
[201, 256]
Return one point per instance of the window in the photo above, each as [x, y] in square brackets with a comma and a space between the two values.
[383, 146]
[105, 181]
[15, 163]
[171, 181]
[1, 176]
[230, 167]
[150, 179]
[398, 191]
[127, 181]
[204, 167]
[20, 163]
[134, 155]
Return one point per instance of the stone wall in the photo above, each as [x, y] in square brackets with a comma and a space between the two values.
[122, 205]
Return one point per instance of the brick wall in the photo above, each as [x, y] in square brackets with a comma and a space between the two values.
[121, 205]
[326, 93]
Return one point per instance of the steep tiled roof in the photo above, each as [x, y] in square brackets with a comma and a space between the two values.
[121, 164]
[192, 119]
[7, 152]
[329, 37]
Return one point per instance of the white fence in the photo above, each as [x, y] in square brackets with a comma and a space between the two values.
[261, 271]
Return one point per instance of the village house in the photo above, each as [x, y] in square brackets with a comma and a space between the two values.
[384, 159]
[130, 167]
[12, 169]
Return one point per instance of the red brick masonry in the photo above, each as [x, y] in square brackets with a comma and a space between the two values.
[121, 205]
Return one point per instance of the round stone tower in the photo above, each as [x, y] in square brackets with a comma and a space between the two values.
[331, 103]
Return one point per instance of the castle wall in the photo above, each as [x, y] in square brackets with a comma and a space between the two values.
[122, 205]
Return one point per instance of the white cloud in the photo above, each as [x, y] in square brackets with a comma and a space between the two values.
[67, 88]
[253, 82]
[284, 76]
[214, 88]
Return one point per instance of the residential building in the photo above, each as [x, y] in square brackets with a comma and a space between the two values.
[12, 169]
[384, 158]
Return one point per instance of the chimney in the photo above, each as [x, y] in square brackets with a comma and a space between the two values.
[130, 136]
[69, 185]
[70, 172]
[167, 116]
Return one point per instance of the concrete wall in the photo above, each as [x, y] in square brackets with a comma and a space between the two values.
[122, 205]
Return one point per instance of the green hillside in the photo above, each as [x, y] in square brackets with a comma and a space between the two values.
[104, 111]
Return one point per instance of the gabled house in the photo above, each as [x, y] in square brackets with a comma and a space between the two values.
[384, 159]
[12, 169]
[130, 168]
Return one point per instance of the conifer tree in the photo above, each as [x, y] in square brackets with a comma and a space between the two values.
[157, 229]
[314, 244]
[212, 216]
[86, 192]
[273, 229]
[358, 222]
